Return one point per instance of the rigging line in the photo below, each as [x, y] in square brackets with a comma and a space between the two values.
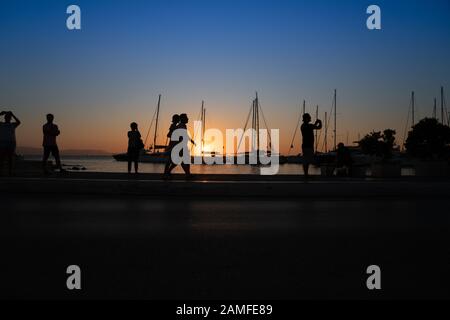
[416, 111]
[333, 106]
[293, 138]
[245, 128]
[295, 133]
[327, 126]
[150, 128]
[447, 115]
[195, 132]
[407, 123]
[265, 123]
[198, 117]
[446, 111]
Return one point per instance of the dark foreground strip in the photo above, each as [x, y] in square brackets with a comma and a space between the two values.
[229, 188]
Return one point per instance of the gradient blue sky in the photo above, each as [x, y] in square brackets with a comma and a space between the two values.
[97, 80]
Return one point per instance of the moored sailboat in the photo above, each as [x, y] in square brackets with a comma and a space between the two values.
[154, 153]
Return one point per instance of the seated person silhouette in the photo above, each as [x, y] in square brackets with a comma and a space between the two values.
[343, 160]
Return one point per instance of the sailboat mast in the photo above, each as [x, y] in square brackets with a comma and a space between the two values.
[257, 121]
[204, 127]
[304, 107]
[156, 126]
[253, 126]
[202, 116]
[413, 101]
[317, 140]
[326, 131]
[335, 119]
[442, 105]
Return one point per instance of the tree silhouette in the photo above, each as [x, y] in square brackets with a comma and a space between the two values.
[428, 139]
[378, 144]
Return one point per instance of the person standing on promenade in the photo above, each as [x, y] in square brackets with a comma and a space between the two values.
[8, 139]
[51, 131]
[308, 141]
[135, 145]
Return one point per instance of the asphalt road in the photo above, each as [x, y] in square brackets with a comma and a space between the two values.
[211, 248]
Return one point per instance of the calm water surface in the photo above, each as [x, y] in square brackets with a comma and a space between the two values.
[108, 164]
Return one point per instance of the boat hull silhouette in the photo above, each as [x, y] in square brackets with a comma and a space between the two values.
[145, 157]
[161, 157]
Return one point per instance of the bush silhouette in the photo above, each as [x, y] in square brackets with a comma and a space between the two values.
[378, 144]
[428, 139]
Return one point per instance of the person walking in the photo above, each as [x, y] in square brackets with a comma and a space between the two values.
[183, 141]
[171, 144]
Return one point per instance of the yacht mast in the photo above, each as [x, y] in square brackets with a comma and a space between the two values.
[442, 105]
[317, 140]
[156, 125]
[253, 126]
[335, 119]
[257, 121]
[326, 132]
[203, 120]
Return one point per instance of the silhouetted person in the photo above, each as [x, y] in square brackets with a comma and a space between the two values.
[173, 126]
[344, 158]
[135, 146]
[8, 139]
[171, 144]
[51, 131]
[184, 120]
[308, 141]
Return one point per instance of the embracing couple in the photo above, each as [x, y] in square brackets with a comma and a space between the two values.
[179, 122]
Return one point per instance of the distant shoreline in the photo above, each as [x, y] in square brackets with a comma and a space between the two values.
[36, 155]
[34, 151]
